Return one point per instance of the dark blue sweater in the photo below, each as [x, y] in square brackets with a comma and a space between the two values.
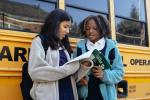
[65, 87]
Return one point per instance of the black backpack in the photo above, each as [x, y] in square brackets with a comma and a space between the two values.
[26, 83]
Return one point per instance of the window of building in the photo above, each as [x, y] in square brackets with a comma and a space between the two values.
[131, 22]
[79, 9]
[24, 15]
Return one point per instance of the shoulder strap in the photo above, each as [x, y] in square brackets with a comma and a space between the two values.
[79, 52]
[111, 55]
[81, 47]
[44, 44]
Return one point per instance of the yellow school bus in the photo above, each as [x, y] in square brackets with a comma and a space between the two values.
[20, 22]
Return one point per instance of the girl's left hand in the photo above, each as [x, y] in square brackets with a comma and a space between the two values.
[97, 72]
[86, 63]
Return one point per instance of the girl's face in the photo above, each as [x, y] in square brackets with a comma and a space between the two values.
[64, 28]
[92, 32]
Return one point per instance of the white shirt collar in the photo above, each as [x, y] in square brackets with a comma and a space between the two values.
[60, 48]
[97, 45]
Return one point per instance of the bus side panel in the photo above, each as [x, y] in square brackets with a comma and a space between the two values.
[14, 49]
[137, 71]
[9, 88]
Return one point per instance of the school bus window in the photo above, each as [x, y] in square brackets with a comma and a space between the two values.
[99, 5]
[24, 15]
[131, 32]
[77, 20]
[131, 22]
[1, 20]
[79, 11]
[1, 24]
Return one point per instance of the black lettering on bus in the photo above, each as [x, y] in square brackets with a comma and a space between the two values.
[148, 62]
[140, 62]
[144, 62]
[132, 61]
[136, 61]
[28, 52]
[20, 52]
[5, 53]
[125, 65]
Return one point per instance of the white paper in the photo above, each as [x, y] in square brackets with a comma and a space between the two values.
[86, 55]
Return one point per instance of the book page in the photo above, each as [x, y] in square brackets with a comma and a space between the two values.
[86, 55]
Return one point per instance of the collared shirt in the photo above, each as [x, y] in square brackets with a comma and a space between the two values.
[97, 45]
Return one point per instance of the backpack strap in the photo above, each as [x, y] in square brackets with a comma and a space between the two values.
[44, 43]
[78, 52]
[111, 55]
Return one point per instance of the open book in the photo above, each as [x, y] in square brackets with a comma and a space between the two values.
[96, 56]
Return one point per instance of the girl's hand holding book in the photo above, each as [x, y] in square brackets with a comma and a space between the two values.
[97, 72]
[86, 63]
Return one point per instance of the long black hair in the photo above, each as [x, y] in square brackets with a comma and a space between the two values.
[101, 23]
[51, 27]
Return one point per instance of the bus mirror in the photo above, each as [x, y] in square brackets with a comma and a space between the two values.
[122, 89]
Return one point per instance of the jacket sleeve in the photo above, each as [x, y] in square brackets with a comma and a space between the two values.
[116, 73]
[41, 71]
[82, 90]
[82, 72]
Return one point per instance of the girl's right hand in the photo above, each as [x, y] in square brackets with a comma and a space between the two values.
[97, 72]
